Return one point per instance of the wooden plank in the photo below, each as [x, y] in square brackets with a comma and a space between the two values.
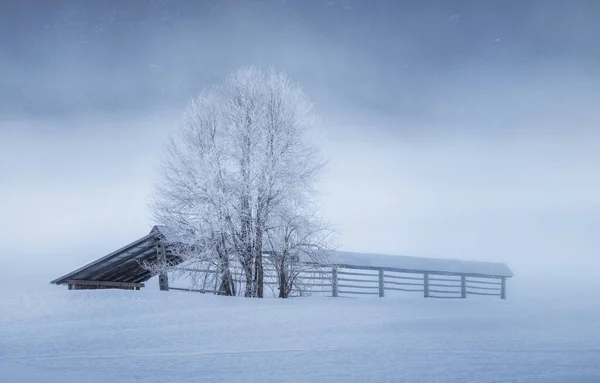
[334, 281]
[190, 290]
[195, 290]
[359, 292]
[133, 274]
[163, 278]
[104, 273]
[135, 269]
[316, 271]
[79, 282]
[444, 291]
[478, 293]
[484, 282]
[443, 297]
[137, 275]
[403, 277]
[314, 284]
[140, 277]
[442, 285]
[403, 283]
[125, 272]
[356, 274]
[401, 289]
[313, 278]
[444, 279]
[381, 285]
[359, 287]
[354, 267]
[483, 288]
[356, 280]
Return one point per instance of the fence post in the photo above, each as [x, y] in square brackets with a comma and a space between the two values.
[163, 278]
[381, 285]
[334, 281]
[216, 282]
[503, 288]
[463, 286]
[426, 285]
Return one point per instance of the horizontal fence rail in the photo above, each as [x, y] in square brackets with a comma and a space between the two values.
[348, 280]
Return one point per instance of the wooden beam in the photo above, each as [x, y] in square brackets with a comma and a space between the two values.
[163, 278]
[126, 272]
[76, 284]
[142, 277]
[381, 284]
[503, 289]
[137, 273]
[127, 276]
[334, 281]
[115, 266]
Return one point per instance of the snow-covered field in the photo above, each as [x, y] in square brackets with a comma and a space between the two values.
[151, 336]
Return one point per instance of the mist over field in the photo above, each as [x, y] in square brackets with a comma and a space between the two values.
[455, 129]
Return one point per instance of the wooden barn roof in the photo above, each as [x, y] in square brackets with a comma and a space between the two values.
[422, 264]
[125, 264]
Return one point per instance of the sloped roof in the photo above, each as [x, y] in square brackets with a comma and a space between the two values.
[125, 264]
[421, 264]
[122, 265]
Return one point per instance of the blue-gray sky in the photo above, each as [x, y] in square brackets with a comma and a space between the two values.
[464, 129]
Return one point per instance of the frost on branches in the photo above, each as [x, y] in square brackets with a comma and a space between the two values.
[238, 184]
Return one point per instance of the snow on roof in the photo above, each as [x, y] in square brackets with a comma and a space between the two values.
[422, 264]
[395, 261]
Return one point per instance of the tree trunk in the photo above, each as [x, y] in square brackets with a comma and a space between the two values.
[246, 248]
[259, 276]
[227, 286]
[283, 291]
[245, 209]
[257, 249]
[249, 290]
[258, 264]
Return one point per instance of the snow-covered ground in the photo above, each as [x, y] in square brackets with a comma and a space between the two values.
[151, 336]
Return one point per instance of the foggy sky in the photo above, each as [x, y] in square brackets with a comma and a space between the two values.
[459, 129]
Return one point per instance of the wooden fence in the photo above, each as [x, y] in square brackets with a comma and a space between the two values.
[349, 280]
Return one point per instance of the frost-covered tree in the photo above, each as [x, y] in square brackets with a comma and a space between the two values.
[298, 237]
[243, 154]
